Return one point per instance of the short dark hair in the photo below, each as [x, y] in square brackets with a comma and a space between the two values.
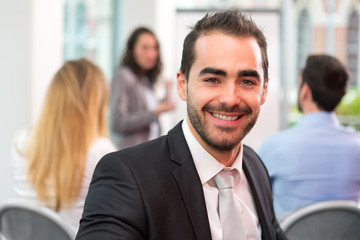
[231, 22]
[129, 58]
[327, 78]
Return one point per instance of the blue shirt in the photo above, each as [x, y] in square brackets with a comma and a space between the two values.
[315, 160]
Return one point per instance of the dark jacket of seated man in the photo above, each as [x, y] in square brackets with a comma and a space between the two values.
[153, 191]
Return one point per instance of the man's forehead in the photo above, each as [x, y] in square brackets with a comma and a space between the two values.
[210, 46]
[205, 38]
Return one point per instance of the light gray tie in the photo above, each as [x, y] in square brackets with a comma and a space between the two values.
[229, 210]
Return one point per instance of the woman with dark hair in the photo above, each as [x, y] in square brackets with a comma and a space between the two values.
[134, 107]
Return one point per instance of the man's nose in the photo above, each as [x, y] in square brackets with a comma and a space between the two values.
[230, 95]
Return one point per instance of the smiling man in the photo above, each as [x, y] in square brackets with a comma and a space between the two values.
[175, 187]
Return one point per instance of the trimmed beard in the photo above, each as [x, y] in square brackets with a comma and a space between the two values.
[225, 145]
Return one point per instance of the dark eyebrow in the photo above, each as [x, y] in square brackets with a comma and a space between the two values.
[210, 70]
[249, 73]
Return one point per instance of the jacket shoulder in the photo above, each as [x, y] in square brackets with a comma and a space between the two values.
[256, 161]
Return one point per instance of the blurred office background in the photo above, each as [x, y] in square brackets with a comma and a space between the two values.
[36, 36]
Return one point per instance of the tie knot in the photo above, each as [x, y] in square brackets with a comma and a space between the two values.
[225, 178]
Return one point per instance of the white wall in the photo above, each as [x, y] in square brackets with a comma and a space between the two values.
[135, 13]
[165, 20]
[15, 70]
[31, 51]
[47, 48]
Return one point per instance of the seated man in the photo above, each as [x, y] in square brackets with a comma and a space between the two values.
[317, 159]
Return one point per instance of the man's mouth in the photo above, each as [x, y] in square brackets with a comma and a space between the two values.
[225, 117]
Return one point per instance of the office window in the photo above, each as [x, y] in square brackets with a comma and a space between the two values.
[89, 32]
[302, 51]
[353, 48]
[303, 39]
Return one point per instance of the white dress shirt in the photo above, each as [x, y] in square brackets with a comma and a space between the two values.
[207, 167]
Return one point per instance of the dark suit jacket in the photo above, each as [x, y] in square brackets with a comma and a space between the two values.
[153, 191]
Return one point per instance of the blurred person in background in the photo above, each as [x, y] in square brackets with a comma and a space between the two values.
[54, 161]
[134, 106]
[318, 159]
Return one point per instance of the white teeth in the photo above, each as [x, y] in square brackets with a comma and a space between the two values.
[223, 117]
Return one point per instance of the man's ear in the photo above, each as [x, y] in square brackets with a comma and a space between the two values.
[264, 96]
[305, 92]
[181, 85]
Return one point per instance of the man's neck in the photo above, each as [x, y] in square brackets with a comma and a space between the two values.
[310, 107]
[226, 158]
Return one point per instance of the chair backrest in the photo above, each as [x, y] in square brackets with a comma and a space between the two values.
[328, 220]
[25, 221]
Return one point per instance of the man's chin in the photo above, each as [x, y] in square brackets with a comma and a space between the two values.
[223, 145]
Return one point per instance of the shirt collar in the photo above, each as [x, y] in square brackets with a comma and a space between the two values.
[319, 118]
[206, 165]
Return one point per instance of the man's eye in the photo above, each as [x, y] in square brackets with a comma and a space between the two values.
[248, 82]
[211, 80]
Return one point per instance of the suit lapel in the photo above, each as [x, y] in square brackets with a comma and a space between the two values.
[189, 183]
[258, 181]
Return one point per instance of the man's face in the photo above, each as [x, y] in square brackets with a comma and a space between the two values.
[224, 91]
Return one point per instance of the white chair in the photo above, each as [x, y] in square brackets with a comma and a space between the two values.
[21, 220]
[330, 220]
